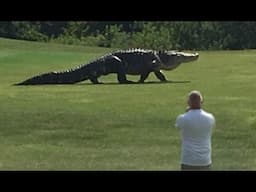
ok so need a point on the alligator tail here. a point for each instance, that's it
(102, 66)
(66, 77)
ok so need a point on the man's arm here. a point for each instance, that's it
(213, 122)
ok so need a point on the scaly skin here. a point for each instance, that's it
(125, 62)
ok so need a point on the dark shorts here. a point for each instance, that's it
(195, 168)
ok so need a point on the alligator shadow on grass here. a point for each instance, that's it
(135, 83)
(111, 83)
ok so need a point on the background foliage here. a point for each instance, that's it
(203, 35)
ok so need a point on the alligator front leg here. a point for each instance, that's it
(160, 76)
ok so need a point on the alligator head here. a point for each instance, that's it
(172, 59)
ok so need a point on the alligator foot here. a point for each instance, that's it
(127, 82)
(96, 83)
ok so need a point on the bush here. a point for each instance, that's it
(150, 35)
(33, 35)
(27, 31)
(93, 40)
(66, 39)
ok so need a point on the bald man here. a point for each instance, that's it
(196, 129)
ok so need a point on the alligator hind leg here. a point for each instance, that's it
(94, 80)
(121, 75)
(143, 77)
(117, 66)
(122, 78)
(160, 76)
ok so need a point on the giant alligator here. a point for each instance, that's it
(123, 62)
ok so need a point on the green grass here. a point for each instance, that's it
(120, 127)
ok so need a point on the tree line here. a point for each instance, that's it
(189, 35)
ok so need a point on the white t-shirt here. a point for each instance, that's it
(196, 129)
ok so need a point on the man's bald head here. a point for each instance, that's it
(195, 99)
